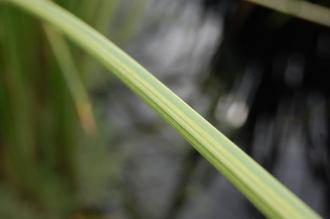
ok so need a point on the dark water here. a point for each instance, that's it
(259, 76)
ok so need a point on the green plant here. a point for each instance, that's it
(47, 125)
(263, 190)
(301, 9)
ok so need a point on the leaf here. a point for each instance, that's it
(262, 189)
(297, 8)
(70, 73)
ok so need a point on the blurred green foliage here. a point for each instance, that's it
(53, 163)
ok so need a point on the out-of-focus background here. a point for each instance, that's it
(259, 76)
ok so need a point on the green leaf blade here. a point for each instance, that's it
(262, 189)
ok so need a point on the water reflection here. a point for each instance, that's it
(258, 76)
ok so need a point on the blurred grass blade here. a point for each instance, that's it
(298, 8)
(262, 189)
(105, 15)
(71, 76)
(88, 10)
(134, 15)
(103, 20)
(18, 123)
